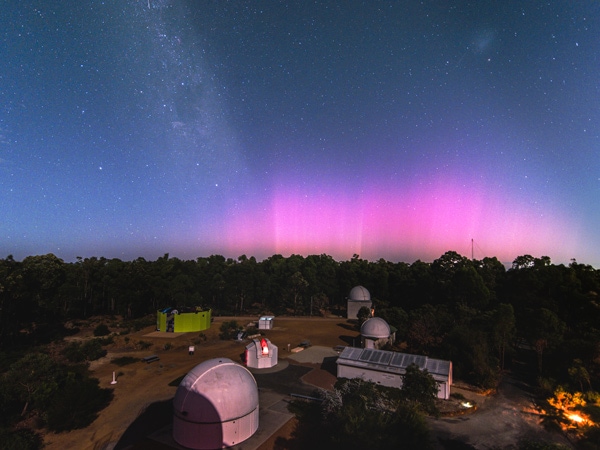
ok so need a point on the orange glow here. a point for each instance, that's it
(566, 402)
(265, 346)
(576, 418)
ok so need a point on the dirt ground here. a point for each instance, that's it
(140, 385)
(142, 394)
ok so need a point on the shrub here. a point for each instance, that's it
(91, 350)
(22, 439)
(73, 352)
(124, 360)
(144, 344)
(144, 322)
(107, 340)
(201, 338)
(101, 330)
(77, 404)
(229, 330)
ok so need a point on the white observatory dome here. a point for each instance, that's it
(359, 294)
(375, 328)
(215, 406)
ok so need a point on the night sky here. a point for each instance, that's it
(388, 129)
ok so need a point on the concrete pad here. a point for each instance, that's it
(314, 355)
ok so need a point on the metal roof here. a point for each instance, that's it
(393, 362)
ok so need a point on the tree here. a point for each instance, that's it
(297, 287)
(579, 374)
(427, 328)
(546, 331)
(503, 329)
(397, 318)
(362, 315)
(77, 403)
(523, 262)
(420, 389)
(33, 380)
(360, 414)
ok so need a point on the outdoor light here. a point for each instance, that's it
(576, 418)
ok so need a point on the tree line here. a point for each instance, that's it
(473, 312)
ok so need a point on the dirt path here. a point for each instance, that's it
(501, 421)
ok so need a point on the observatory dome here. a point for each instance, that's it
(359, 294)
(216, 405)
(375, 328)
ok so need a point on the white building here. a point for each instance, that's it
(265, 323)
(215, 406)
(387, 368)
(359, 296)
(261, 354)
(375, 333)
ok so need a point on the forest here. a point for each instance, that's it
(477, 313)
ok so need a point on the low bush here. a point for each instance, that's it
(144, 345)
(101, 330)
(77, 404)
(77, 352)
(124, 360)
(229, 330)
(21, 439)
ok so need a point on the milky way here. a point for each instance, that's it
(394, 130)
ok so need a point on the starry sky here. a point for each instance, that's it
(388, 129)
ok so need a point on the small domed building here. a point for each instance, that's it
(261, 354)
(359, 296)
(215, 406)
(375, 333)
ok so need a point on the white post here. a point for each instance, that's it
(114, 381)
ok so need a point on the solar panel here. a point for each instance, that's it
(366, 354)
(351, 353)
(385, 358)
(397, 360)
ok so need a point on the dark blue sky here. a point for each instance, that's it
(395, 130)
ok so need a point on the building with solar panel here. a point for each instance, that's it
(388, 368)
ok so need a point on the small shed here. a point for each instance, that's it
(261, 354)
(265, 322)
(388, 368)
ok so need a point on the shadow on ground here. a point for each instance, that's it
(156, 416)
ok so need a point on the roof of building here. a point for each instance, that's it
(217, 390)
(359, 294)
(394, 362)
(375, 328)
